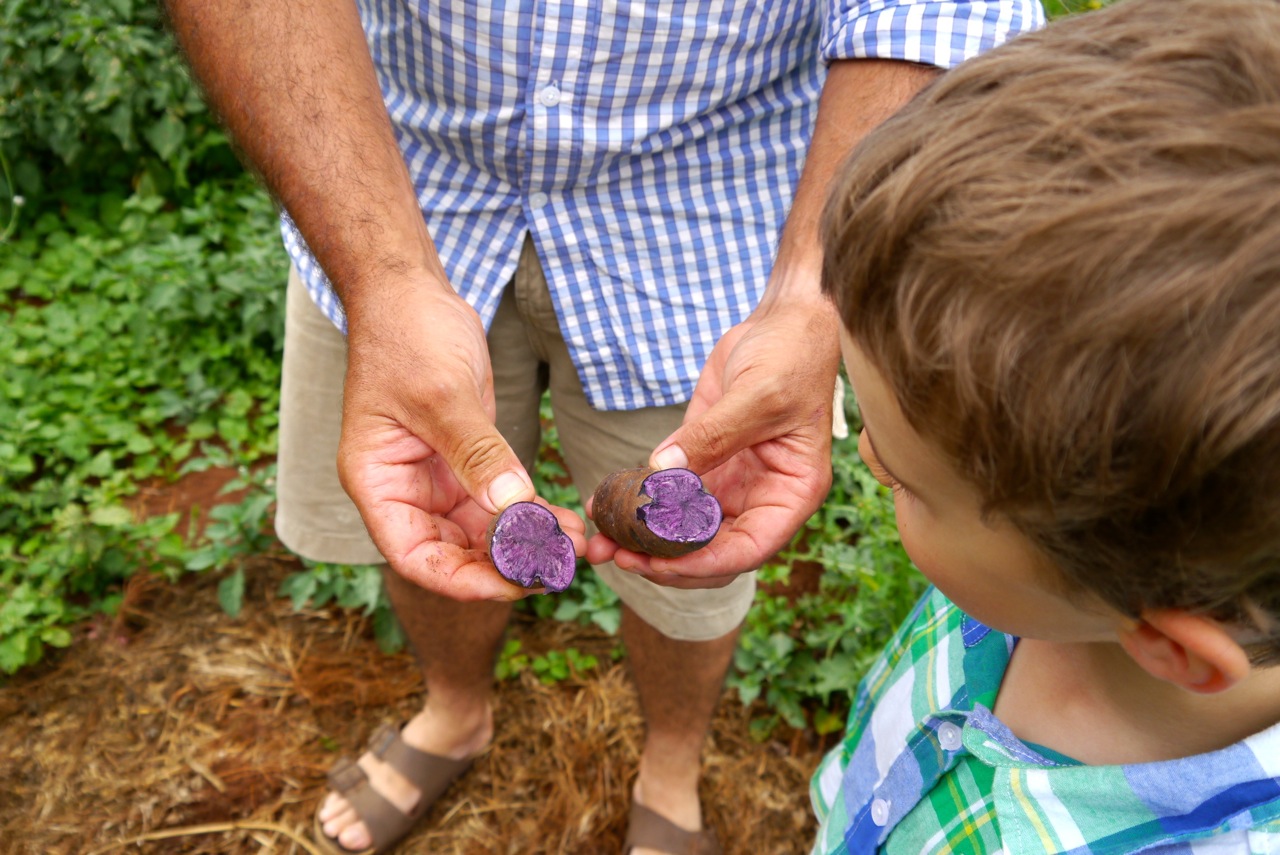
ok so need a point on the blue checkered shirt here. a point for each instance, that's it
(651, 149)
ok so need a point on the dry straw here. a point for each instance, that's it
(173, 728)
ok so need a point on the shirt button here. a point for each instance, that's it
(949, 736)
(880, 811)
(550, 96)
(537, 200)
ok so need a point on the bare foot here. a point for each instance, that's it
(426, 732)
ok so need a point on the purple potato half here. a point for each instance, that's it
(528, 547)
(661, 512)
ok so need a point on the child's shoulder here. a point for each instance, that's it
(937, 636)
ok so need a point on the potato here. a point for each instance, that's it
(661, 512)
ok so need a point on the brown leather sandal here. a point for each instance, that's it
(648, 830)
(387, 824)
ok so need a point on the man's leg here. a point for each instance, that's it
(679, 643)
(455, 643)
(679, 683)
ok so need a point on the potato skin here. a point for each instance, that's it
(616, 508)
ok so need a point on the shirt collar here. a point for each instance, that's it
(1048, 807)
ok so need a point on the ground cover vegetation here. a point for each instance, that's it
(141, 280)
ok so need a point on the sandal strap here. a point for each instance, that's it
(430, 773)
(345, 776)
(386, 822)
(649, 830)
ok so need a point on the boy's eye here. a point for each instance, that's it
(868, 455)
(881, 474)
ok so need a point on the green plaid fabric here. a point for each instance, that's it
(958, 816)
(926, 768)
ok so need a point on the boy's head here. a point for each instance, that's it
(1063, 260)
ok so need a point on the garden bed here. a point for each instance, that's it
(173, 718)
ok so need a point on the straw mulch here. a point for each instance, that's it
(174, 728)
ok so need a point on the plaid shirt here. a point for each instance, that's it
(650, 148)
(926, 768)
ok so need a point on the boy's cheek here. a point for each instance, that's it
(942, 560)
(915, 548)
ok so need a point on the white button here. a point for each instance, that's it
(949, 736)
(550, 96)
(537, 200)
(880, 811)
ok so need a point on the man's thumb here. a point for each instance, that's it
(705, 442)
(486, 467)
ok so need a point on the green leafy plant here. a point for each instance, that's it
(592, 602)
(1058, 8)
(356, 586)
(94, 97)
(805, 653)
(511, 661)
(556, 666)
(133, 331)
(560, 665)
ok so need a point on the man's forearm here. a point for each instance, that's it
(295, 85)
(858, 96)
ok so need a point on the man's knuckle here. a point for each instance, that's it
(480, 453)
(713, 437)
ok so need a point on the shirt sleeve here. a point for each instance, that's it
(925, 31)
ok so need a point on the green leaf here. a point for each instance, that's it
(55, 636)
(111, 516)
(825, 721)
(608, 619)
(231, 593)
(166, 135)
(120, 122)
(16, 651)
(388, 632)
(567, 610)
(298, 587)
(202, 559)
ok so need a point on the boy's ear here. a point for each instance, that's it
(1194, 652)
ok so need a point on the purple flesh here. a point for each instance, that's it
(529, 548)
(680, 510)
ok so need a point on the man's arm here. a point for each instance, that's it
(858, 95)
(296, 87)
(759, 423)
(760, 416)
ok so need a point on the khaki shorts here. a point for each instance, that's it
(315, 519)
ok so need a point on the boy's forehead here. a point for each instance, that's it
(908, 456)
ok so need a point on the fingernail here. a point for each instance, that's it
(671, 457)
(507, 488)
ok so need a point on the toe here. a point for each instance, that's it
(333, 805)
(340, 823)
(355, 837)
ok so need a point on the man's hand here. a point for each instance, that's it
(758, 430)
(296, 86)
(418, 441)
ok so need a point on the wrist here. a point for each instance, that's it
(379, 298)
(795, 283)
